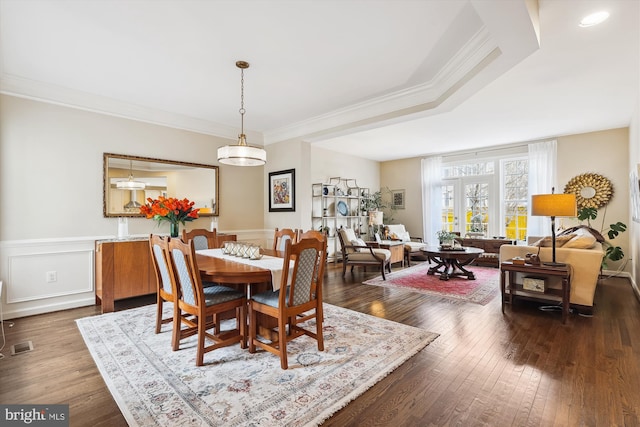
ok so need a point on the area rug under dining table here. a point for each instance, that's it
(415, 279)
(153, 385)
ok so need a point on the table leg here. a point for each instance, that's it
(436, 268)
(465, 272)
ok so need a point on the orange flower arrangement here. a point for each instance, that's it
(171, 210)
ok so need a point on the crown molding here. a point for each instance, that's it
(52, 94)
(480, 48)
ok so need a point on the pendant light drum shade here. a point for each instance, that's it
(242, 154)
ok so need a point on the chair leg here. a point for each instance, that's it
(202, 325)
(216, 323)
(319, 337)
(253, 328)
(382, 268)
(159, 315)
(177, 325)
(241, 312)
(282, 344)
(344, 267)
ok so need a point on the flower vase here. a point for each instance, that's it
(175, 229)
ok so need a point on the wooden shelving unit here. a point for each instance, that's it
(336, 204)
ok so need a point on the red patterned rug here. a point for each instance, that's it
(415, 279)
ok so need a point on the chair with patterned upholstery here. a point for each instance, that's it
(202, 238)
(159, 246)
(356, 252)
(204, 303)
(300, 293)
(281, 236)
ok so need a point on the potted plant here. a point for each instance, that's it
(613, 253)
(445, 237)
(378, 201)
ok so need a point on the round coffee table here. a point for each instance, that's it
(450, 263)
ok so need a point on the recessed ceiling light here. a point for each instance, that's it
(594, 19)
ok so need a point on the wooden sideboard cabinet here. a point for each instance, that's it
(123, 270)
(491, 248)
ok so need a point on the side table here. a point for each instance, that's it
(515, 289)
(395, 247)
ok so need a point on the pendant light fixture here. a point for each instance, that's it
(130, 184)
(242, 154)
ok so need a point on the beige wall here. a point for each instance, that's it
(51, 186)
(603, 153)
(405, 175)
(51, 197)
(284, 156)
(51, 171)
(600, 152)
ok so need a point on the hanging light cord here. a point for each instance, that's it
(242, 110)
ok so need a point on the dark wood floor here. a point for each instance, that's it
(521, 369)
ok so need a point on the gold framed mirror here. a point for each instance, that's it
(129, 180)
(591, 189)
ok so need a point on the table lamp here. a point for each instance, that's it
(375, 218)
(553, 205)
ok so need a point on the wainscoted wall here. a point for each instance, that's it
(28, 265)
(47, 275)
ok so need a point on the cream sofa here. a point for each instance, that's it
(585, 264)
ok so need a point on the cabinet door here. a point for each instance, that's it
(493, 246)
(132, 271)
(473, 243)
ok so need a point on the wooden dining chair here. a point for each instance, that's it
(312, 234)
(322, 237)
(281, 236)
(202, 238)
(204, 303)
(159, 246)
(221, 238)
(303, 294)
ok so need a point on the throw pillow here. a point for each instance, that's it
(404, 236)
(583, 240)
(359, 242)
(560, 241)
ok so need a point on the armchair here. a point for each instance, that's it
(412, 245)
(356, 252)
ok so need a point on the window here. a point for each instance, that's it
(515, 197)
(481, 199)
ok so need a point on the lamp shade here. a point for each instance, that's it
(242, 155)
(376, 217)
(130, 185)
(554, 205)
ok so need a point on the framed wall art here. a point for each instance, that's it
(397, 199)
(282, 191)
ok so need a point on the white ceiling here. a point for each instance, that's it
(379, 79)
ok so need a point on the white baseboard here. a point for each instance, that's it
(46, 307)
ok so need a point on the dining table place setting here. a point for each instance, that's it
(251, 255)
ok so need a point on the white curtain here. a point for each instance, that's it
(432, 197)
(542, 178)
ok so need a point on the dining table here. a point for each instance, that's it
(227, 271)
